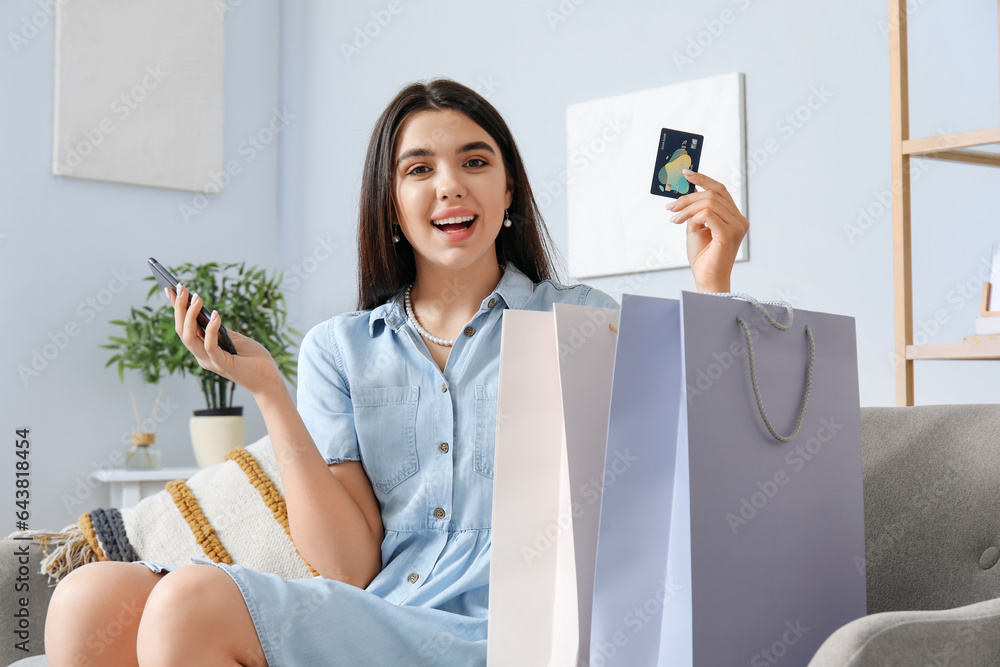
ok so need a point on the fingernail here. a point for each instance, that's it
(194, 295)
(167, 292)
(673, 218)
(179, 287)
(686, 172)
(670, 207)
(215, 314)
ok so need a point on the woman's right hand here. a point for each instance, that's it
(252, 367)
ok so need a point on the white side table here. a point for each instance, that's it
(128, 487)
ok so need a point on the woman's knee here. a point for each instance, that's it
(94, 606)
(195, 609)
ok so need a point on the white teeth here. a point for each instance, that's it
(454, 221)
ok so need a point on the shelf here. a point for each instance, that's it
(954, 147)
(158, 475)
(967, 351)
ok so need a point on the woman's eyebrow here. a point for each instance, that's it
(426, 152)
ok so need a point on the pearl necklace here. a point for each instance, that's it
(416, 325)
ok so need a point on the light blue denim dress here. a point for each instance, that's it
(369, 390)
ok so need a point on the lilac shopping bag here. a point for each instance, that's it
(736, 537)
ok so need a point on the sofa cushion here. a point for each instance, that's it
(932, 507)
(15, 574)
(965, 637)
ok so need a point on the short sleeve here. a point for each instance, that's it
(599, 299)
(323, 396)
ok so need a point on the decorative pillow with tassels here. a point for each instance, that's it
(232, 512)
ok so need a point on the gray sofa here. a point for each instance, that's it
(932, 524)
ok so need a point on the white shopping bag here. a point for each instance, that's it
(552, 412)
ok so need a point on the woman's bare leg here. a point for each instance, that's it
(93, 618)
(197, 616)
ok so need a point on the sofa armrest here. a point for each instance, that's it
(22, 625)
(964, 636)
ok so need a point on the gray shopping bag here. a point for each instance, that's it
(750, 552)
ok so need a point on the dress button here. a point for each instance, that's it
(443, 447)
(413, 577)
(439, 513)
(492, 303)
(469, 331)
(444, 387)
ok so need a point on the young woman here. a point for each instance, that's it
(387, 459)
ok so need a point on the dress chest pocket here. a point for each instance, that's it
(386, 422)
(486, 428)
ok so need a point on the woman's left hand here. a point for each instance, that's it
(714, 232)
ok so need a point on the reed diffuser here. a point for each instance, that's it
(143, 454)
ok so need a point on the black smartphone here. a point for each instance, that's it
(165, 279)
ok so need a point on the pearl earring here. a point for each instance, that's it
(395, 237)
(506, 220)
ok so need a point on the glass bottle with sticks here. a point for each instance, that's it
(144, 454)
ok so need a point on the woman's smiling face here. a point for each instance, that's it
(449, 171)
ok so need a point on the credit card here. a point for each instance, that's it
(675, 152)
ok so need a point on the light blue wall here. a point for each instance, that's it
(531, 59)
(65, 237)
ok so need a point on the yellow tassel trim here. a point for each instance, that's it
(87, 528)
(268, 492)
(199, 525)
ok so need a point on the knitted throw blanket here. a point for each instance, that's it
(233, 512)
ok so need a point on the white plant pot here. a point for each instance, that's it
(212, 436)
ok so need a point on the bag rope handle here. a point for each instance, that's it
(753, 365)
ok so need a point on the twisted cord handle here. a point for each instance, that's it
(753, 366)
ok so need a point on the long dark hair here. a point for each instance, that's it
(384, 267)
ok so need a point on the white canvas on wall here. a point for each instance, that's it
(139, 92)
(615, 225)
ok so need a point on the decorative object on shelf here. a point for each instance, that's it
(250, 303)
(979, 340)
(988, 322)
(144, 454)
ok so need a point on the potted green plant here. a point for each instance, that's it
(250, 303)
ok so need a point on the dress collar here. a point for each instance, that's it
(513, 290)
